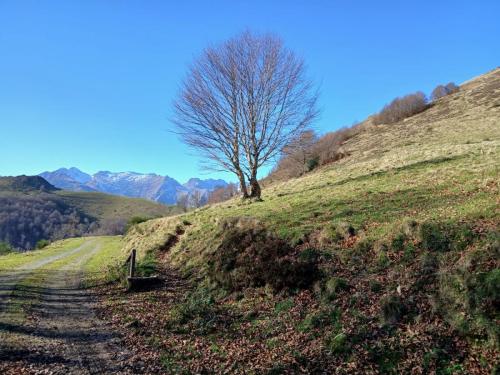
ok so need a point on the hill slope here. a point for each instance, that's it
(31, 209)
(404, 232)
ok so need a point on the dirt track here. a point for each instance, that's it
(48, 326)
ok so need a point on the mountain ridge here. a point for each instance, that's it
(151, 186)
(25, 183)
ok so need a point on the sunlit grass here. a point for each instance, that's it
(89, 264)
(18, 259)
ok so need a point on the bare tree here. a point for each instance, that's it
(300, 150)
(401, 108)
(183, 201)
(197, 199)
(438, 92)
(441, 90)
(223, 193)
(242, 102)
(451, 87)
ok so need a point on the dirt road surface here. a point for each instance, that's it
(48, 324)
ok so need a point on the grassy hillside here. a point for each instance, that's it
(404, 235)
(109, 207)
(31, 210)
(391, 171)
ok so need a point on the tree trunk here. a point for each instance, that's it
(243, 185)
(255, 191)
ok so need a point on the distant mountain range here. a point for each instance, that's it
(163, 189)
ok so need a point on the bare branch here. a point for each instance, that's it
(242, 102)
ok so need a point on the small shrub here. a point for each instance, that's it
(409, 252)
(134, 221)
(336, 232)
(337, 343)
(334, 285)
(375, 286)
(312, 163)
(451, 87)
(320, 319)
(401, 108)
(329, 147)
(198, 311)
(398, 242)
(309, 255)
(42, 244)
(5, 248)
(283, 306)
(310, 152)
(409, 227)
(392, 308)
(382, 261)
(222, 194)
(432, 237)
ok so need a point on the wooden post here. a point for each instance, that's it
(139, 283)
(132, 264)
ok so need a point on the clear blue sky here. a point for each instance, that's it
(89, 83)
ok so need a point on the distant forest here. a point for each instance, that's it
(26, 219)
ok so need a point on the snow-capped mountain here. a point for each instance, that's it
(163, 189)
(69, 179)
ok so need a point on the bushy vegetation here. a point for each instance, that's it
(393, 309)
(328, 147)
(198, 312)
(5, 248)
(42, 244)
(469, 292)
(401, 108)
(443, 90)
(310, 151)
(136, 220)
(250, 256)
